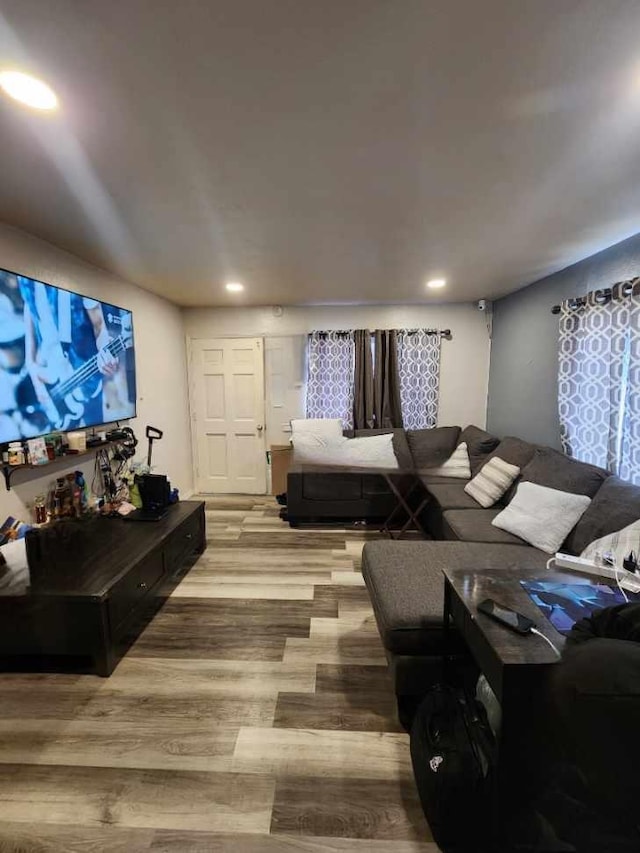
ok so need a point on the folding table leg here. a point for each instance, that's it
(403, 504)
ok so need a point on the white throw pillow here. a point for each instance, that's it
(541, 516)
(619, 544)
(492, 481)
(311, 449)
(457, 465)
(322, 430)
(369, 451)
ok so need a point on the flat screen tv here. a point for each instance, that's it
(67, 361)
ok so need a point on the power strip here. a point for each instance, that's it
(627, 580)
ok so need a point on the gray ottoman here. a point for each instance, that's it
(406, 586)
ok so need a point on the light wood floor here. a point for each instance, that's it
(254, 714)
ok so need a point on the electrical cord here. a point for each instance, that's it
(616, 570)
(547, 640)
(97, 482)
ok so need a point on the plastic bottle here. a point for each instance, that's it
(40, 509)
(58, 494)
(16, 453)
(84, 492)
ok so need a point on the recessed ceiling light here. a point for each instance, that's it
(28, 90)
(234, 286)
(436, 282)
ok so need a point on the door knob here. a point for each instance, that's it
(259, 427)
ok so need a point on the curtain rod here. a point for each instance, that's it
(600, 297)
(444, 333)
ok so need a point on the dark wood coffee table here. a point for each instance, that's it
(517, 668)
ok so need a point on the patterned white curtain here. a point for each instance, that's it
(629, 468)
(330, 376)
(419, 369)
(598, 380)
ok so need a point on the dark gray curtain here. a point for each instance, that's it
(363, 381)
(387, 410)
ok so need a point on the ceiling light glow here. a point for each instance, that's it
(436, 282)
(234, 287)
(28, 90)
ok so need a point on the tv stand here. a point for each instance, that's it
(85, 618)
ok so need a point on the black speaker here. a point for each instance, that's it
(154, 491)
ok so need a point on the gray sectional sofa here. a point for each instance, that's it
(404, 578)
(321, 493)
(343, 494)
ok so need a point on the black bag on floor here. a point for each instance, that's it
(452, 755)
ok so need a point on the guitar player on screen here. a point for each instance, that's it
(75, 373)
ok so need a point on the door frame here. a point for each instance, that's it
(192, 408)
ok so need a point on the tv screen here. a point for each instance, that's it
(66, 361)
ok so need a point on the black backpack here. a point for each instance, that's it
(452, 755)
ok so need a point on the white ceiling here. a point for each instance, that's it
(325, 151)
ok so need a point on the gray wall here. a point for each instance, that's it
(523, 382)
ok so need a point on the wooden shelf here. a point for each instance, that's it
(9, 470)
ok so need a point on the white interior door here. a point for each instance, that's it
(227, 413)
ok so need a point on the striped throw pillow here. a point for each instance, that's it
(457, 465)
(492, 481)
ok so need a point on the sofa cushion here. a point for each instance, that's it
(428, 479)
(479, 445)
(401, 448)
(615, 505)
(450, 495)
(475, 525)
(556, 471)
(406, 586)
(431, 447)
(515, 451)
(331, 486)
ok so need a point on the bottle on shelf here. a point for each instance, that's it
(16, 453)
(60, 494)
(40, 510)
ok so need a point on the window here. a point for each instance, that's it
(400, 391)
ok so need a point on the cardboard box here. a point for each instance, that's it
(281, 456)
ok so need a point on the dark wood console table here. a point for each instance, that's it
(518, 669)
(86, 618)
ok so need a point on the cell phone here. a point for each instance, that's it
(507, 617)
